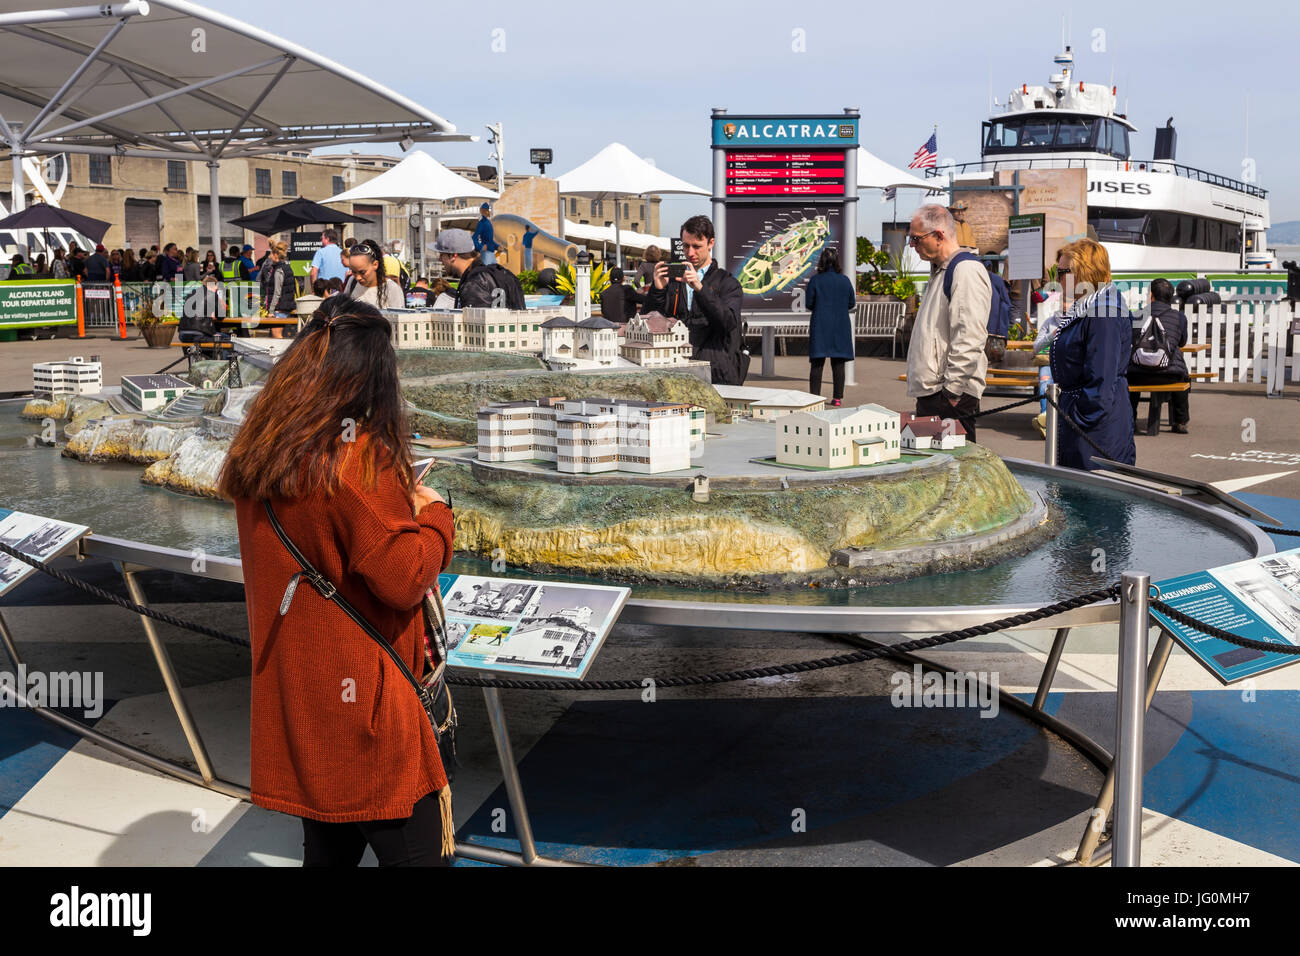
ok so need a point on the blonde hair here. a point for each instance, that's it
(1089, 262)
(279, 247)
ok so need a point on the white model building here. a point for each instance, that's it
(767, 404)
(587, 436)
(481, 330)
(591, 343)
(655, 340)
(153, 391)
(838, 437)
(76, 376)
(931, 432)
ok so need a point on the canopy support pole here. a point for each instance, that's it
(618, 242)
(214, 204)
(424, 249)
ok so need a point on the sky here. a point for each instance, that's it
(575, 78)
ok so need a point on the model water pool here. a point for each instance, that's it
(1106, 531)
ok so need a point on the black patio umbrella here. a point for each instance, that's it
(291, 215)
(44, 216)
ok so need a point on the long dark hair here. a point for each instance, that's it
(368, 247)
(829, 260)
(296, 437)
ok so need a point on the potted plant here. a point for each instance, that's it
(157, 330)
(886, 280)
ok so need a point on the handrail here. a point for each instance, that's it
(1120, 165)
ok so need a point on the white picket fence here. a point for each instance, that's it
(1248, 342)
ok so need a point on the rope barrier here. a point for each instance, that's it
(1291, 531)
(1221, 634)
(1003, 408)
(1061, 416)
(839, 660)
(122, 602)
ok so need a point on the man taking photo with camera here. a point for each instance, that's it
(706, 298)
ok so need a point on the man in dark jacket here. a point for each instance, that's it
(707, 299)
(97, 266)
(1174, 324)
(619, 301)
(481, 286)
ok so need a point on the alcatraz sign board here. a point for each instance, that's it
(1259, 599)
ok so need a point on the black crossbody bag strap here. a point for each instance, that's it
(326, 589)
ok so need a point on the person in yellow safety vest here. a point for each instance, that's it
(18, 268)
(233, 268)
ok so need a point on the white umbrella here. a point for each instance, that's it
(417, 179)
(618, 171)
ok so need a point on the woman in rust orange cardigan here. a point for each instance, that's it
(338, 736)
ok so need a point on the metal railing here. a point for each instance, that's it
(1118, 165)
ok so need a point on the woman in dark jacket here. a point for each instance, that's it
(831, 301)
(1174, 325)
(279, 288)
(1089, 358)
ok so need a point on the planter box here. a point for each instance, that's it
(159, 336)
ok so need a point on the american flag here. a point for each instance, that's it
(927, 157)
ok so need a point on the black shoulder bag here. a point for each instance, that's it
(433, 693)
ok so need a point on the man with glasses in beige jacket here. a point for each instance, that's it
(946, 364)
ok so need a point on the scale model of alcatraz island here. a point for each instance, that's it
(567, 456)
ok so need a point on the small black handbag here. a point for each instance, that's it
(433, 693)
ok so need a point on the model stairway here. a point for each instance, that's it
(190, 405)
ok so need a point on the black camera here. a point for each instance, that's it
(1292, 281)
(677, 270)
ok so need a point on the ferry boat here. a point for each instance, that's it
(1152, 215)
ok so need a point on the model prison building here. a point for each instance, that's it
(586, 436)
(838, 437)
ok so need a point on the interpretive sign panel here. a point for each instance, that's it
(1259, 599)
(27, 303)
(772, 249)
(33, 535)
(527, 627)
(1025, 246)
(303, 245)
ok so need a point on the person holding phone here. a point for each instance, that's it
(338, 737)
(706, 298)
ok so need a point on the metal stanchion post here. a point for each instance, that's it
(1053, 396)
(1130, 716)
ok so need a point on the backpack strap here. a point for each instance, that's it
(951, 267)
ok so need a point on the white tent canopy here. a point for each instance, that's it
(875, 173)
(130, 76)
(417, 179)
(625, 237)
(617, 171)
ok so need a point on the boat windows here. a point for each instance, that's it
(1039, 132)
(1169, 229)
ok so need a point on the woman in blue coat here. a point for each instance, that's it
(1089, 357)
(831, 301)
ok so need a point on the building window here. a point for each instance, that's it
(101, 170)
(643, 210)
(288, 183)
(573, 207)
(338, 185)
(625, 210)
(176, 174)
(263, 177)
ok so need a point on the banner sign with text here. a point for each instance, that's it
(29, 303)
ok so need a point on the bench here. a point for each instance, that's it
(994, 379)
(1154, 401)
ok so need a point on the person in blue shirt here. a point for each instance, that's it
(246, 257)
(485, 243)
(327, 263)
(529, 235)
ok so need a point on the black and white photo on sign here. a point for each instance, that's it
(456, 631)
(489, 597)
(560, 626)
(34, 535)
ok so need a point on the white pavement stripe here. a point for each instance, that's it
(94, 808)
(1236, 484)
